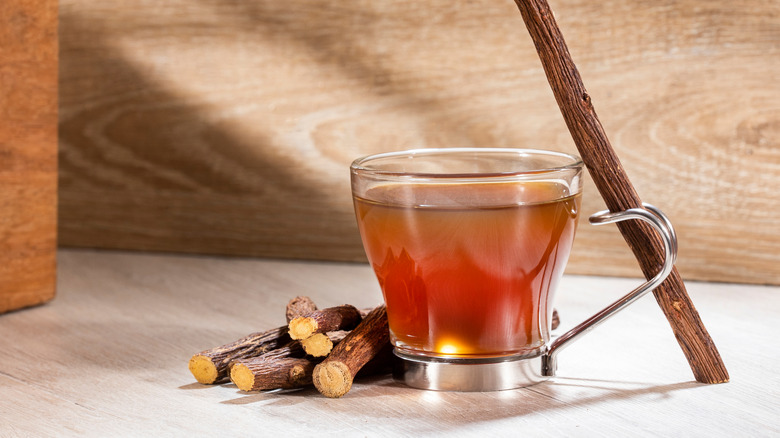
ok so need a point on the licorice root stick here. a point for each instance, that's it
(331, 319)
(333, 377)
(612, 182)
(213, 365)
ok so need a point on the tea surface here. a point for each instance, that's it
(465, 272)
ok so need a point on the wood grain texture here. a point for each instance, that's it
(28, 152)
(108, 358)
(228, 127)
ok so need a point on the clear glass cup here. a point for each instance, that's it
(468, 246)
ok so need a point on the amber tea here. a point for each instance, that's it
(468, 269)
(468, 246)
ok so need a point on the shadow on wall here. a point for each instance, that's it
(228, 127)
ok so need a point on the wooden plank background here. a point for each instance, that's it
(28, 152)
(227, 127)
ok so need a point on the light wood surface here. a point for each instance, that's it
(109, 357)
(227, 127)
(28, 152)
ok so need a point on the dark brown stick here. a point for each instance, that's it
(331, 319)
(261, 373)
(321, 344)
(299, 306)
(556, 320)
(616, 189)
(212, 366)
(284, 367)
(333, 377)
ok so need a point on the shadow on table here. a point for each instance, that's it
(433, 409)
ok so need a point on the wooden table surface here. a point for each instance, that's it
(108, 357)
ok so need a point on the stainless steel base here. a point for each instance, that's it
(468, 375)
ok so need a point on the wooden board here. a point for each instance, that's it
(109, 358)
(228, 127)
(28, 152)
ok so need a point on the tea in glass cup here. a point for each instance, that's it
(468, 246)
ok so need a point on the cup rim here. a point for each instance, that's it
(360, 165)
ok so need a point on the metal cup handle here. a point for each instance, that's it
(661, 223)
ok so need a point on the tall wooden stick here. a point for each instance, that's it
(616, 189)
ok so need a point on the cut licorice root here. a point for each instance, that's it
(321, 344)
(344, 317)
(213, 365)
(334, 376)
(282, 373)
(272, 360)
